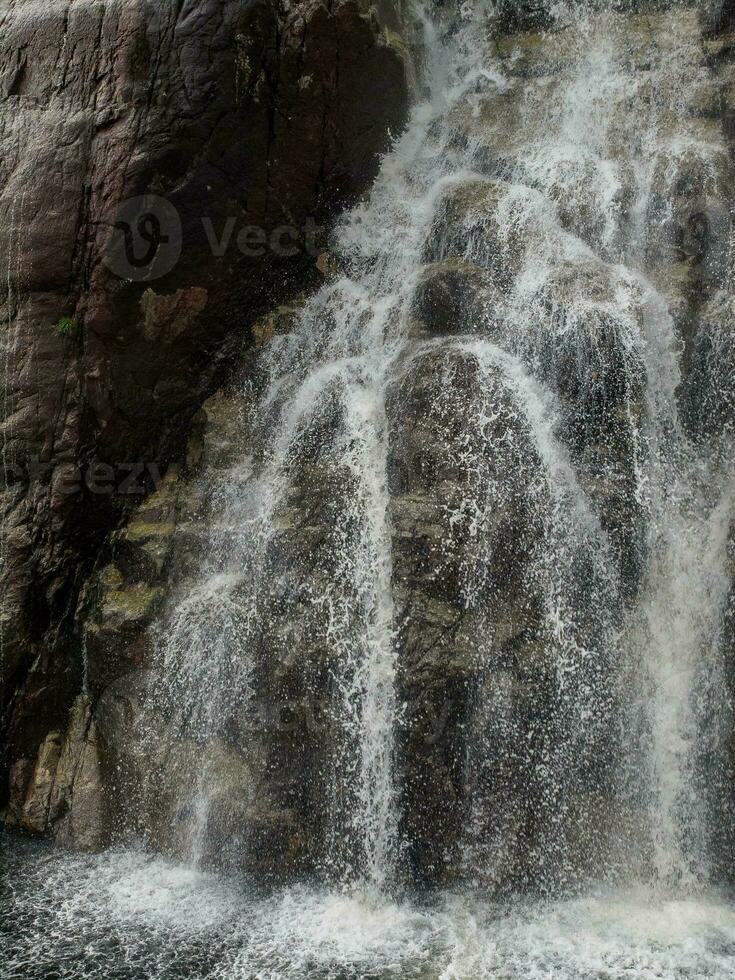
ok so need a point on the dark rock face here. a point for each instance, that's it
(522, 15)
(454, 297)
(717, 15)
(254, 122)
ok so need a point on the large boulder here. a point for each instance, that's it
(468, 226)
(688, 218)
(462, 472)
(587, 343)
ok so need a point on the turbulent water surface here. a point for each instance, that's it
(566, 400)
(128, 915)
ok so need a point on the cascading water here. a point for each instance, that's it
(559, 243)
(557, 239)
(475, 527)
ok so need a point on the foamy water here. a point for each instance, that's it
(130, 915)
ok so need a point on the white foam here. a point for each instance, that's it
(129, 915)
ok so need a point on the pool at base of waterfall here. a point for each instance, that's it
(127, 914)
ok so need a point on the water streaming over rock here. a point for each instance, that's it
(471, 446)
(453, 606)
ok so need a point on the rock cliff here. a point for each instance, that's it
(416, 595)
(166, 173)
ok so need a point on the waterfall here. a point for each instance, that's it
(442, 683)
(509, 318)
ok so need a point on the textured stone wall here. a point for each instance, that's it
(254, 115)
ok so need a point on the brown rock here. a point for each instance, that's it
(257, 116)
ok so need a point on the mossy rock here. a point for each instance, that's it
(135, 605)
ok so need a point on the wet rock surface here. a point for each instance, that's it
(463, 587)
(259, 116)
(404, 580)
